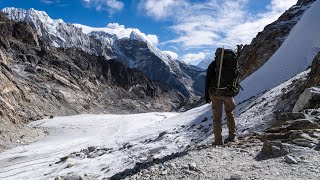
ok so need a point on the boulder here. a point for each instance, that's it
(310, 98)
(290, 160)
(274, 149)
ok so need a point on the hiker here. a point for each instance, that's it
(222, 84)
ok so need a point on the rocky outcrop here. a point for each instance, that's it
(290, 130)
(267, 42)
(310, 98)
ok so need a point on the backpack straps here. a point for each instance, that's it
(220, 67)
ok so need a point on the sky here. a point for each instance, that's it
(188, 30)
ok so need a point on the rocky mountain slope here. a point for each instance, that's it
(134, 51)
(267, 42)
(39, 80)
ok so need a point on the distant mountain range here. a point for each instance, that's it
(135, 51)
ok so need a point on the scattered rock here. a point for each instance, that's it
(303, 142)
(165, 172)
(91, 148)
(162, 134)
(69, 165)
(63, 159)
(317, 148)
(235, 177)
(290, 160)
(69, 177)
(193, 167)
(172, 165)
(205, 119)
(273, 149)
(244, 151)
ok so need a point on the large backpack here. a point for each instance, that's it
(227, 71)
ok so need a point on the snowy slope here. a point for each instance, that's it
(103, 145)
(294, 56)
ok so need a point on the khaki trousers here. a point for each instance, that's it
(229, 106)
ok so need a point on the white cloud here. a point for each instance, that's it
(173, 55)
(47, 1)
(121, 31)
(160, 9)
(194, 58)
(214, 22)
(111, 6)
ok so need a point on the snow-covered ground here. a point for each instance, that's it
(128, 138)
(103, 145)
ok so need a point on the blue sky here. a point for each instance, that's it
(187, 29)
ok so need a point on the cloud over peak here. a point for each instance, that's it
(120, 31)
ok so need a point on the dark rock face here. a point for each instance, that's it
(314, 79)
(267, 42)
(140, 55)
(38, 80)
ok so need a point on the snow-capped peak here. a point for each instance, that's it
(56, 32)
(135, 36)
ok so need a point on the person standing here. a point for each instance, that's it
(221, 86)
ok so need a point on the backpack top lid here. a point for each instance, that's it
(229, 58)
(226, 52)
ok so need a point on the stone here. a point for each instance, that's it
(244, 151)
(172, 165)
(91, 148)
(301, 124)
(205, 119)
(303, 142)
(69, 177)
(307, 99)
(165, 172)
(317, 148)
(193, 166)
(290, 160)
(274, 149)
(290, 116)
(235, 177)
(162, 134)
(69, 165)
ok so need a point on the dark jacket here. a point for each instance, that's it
(211, 73)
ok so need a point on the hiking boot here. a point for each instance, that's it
(216, 143)
(230, 139)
